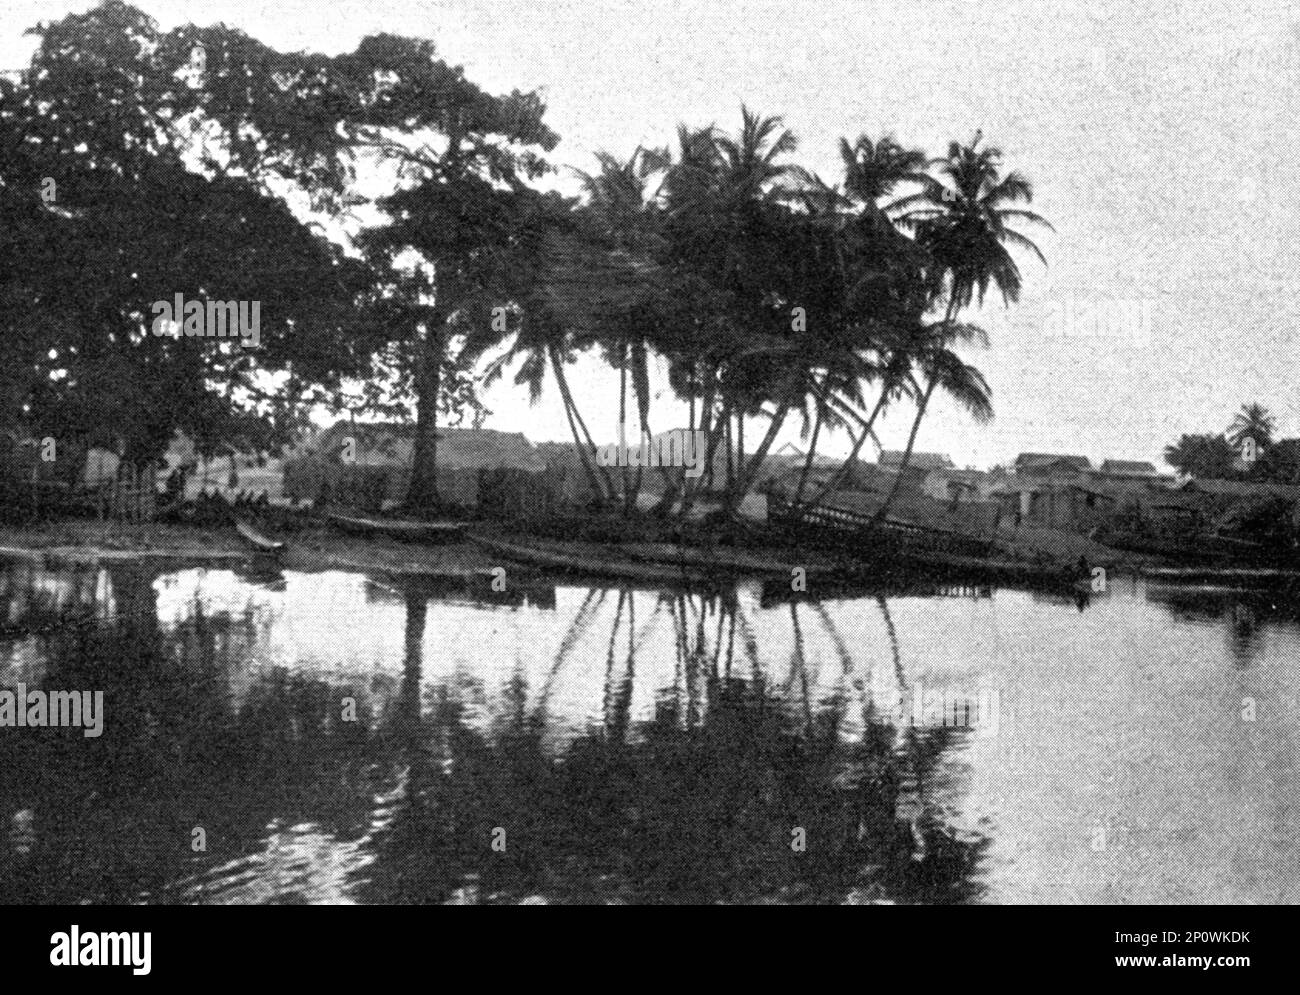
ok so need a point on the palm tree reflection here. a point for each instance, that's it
(696, 802)
(692, 796)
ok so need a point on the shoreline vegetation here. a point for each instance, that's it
(716, 269)
(315, 545)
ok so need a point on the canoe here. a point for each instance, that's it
(393, 528)
(724, 560)
(256, 539)
(585, 558)
(860, 535)
(1240, 577)
(1204, 550)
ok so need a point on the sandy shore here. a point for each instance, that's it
(310, 549)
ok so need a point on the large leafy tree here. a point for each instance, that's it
(455, 161)
(1281, 463)
(109, 206)
(1209, 456)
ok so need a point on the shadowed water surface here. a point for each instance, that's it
(340, 738)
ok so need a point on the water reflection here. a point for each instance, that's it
(339, 738)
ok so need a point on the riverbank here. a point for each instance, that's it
(311, 549)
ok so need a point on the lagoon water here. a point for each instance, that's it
(284, 737)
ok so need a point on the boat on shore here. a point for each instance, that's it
(1236, 577)
(1210, 552)
(585, 558)
(257, 539)
(404, 530)
(724, 560)
(900, 550)
(861, 536)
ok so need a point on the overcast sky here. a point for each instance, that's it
(1161, 143)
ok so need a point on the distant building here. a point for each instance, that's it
(101, 467)
(1055, 504)
(952, 485)
(369, 465)
(1050, 464)
(1128, 468)
(880, 476)
(924, 461)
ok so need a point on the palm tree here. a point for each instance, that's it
(1253, 422)
(939, 366)
(870, 275)
(963, 217)
(721, 196)
(963, 220)
(872, 170)
(621, 206)
(570, 281)
(864, 254)
(750, 173)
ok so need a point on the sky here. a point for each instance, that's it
(1160, 139)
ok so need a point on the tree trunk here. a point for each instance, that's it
(584, 454)
(691, 400)
(749, 473)
(740, 446)
(622, 432)
(712, 433)
(642, 394)
(843, 471)
(422, 493)
(883, 510)
(812, 454)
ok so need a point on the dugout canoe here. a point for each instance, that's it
(404, 530)
(257, 539)
(584, 558)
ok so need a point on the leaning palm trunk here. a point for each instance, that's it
(706, 426)
(812, 454)
(749, 473)
(575, 420)
(842, 473)
(924, 403)
(641, 388)
(714, 428)
(592, 479)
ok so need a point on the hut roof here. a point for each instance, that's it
(1128, 466)
(458, 448)
(922, 461)
(1041, 461)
